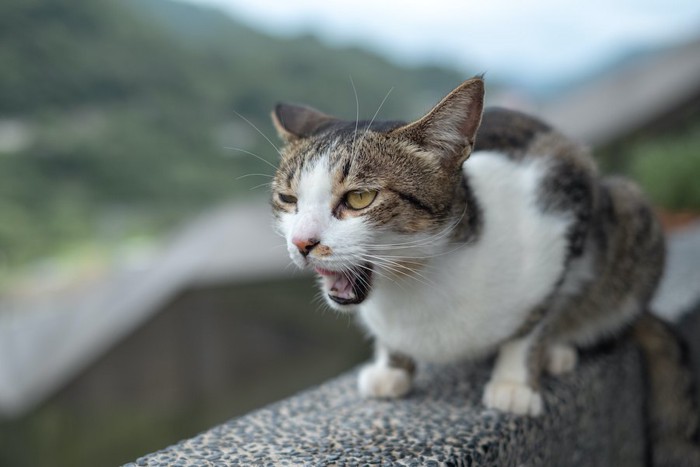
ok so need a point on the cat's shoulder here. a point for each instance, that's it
(519, 136)
(505, 128)
(509, 131)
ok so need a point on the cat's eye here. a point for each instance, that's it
(287, 199)
(360, 199)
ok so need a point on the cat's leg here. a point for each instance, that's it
(390, 375)
(515, 377)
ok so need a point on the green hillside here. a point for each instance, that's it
(126, 109)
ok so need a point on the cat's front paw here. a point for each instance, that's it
(383, 381)
(514, 397)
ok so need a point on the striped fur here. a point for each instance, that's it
(487, 232)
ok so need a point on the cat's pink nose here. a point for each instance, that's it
(305, 245)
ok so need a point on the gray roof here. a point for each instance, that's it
(48, 338)
(629, 97)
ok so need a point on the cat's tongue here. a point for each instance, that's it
(337, 283)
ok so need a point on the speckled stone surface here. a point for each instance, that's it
(593, 417)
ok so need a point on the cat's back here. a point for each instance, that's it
(508, 131)
(520, 136)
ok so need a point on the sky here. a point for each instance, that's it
(530, 42)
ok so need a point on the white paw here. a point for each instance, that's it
(383, 381)
(561, 359)
(514, 397)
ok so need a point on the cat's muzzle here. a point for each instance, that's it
(347, 287)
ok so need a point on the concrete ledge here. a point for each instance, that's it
(593, 417)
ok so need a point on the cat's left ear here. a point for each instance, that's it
(294, 122)
(450, 127)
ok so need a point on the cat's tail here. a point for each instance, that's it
(673, 419)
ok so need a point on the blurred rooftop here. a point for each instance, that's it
(631, 97)
(76, 326)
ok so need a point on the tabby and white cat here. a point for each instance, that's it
(455, 236)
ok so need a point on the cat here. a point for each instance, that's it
(467, 233)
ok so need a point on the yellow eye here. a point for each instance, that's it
(360, 199)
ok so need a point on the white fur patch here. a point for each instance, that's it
(513, 397)
(381, 381)
(314, 216)
(508, 389)
(314, 219)
(469, 300)
(511, 364)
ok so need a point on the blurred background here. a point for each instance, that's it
(143, 295)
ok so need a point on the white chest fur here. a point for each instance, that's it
(471, 299)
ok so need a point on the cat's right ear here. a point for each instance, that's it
(449, 129)
(294, 122)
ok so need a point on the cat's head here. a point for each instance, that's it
(361, 204)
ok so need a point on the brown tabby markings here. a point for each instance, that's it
(379, 161)
(613, 231)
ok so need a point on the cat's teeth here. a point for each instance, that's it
(342, 287)
(336, 283)
(346, 288)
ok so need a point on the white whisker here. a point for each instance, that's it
(375, 271)
(397, 269)
(254, 175)
(261, 185)
(404, 271)
(357, 115)
(251, 154)
(261, 133)
(364, 135)
(430, 240)
(379, 108)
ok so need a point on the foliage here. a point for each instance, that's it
(668, 169)
(664, 160)
(130, 104)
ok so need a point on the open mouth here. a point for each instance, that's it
(348, 287)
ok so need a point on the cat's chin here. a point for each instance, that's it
(346, 289)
